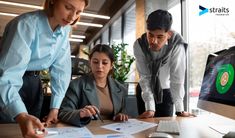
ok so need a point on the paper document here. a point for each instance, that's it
(224, 129)
(114, 136)
(132, 126)
(69, 132)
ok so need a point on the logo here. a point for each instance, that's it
(203, 10)
(221, 11)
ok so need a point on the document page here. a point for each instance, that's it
(69, 132)
(114, 136)
(132, 126)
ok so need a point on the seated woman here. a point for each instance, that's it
(94, 92)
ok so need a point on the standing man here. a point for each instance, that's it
(161, 62)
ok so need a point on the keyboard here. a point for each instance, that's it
(168, 126)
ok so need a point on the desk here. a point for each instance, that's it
(196, 127)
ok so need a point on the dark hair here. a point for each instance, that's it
(102, 48)
(159, 19)
(49, 7)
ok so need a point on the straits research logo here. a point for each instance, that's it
(203, 10)
(222, 11)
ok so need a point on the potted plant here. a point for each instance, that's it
(122, 63)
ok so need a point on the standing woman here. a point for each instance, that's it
(32, 42)
(95, 92)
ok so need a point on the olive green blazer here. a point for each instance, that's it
(82, 92)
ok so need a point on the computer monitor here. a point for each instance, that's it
(217, 93)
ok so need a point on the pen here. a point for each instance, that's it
(99, 116)
(48, 132)
(52, 132)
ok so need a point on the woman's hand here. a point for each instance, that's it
(120, 117)
(88, 111)
(28, 125)
(52, 117)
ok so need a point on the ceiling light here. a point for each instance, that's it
(21, 5)
(78, 36)
(75, 40)
(89, 24)
(8, 14)
(78, 23)
(95, 15)
(40, 7)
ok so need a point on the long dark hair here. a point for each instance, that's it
(102, 48)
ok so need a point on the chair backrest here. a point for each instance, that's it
(80, 66)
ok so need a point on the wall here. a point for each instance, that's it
(152, 5)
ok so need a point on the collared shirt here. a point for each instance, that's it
(171, 75)
(29, 44)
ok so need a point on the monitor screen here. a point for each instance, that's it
(217, 93)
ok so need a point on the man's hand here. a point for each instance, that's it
(186, 114)
(146, 114)
(52, 117)
(28, 125)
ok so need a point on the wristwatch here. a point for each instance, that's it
(179, 113)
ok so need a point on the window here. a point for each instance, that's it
(208, 33)
(105, 37)
(129, 28)
(176, 15)
(129, 38)
(116, 36)
(97, 41)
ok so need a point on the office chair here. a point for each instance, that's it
(80, 67)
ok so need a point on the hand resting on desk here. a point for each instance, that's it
(120, 117)
(146, 114)
(52, 117)
(186, 114)
(150, 114)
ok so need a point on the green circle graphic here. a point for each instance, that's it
(224, 79)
